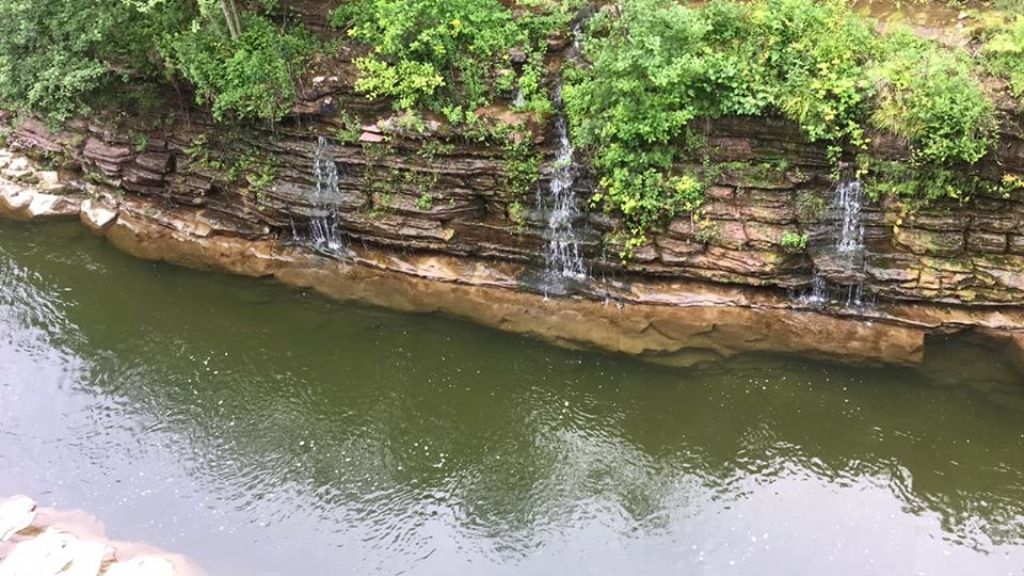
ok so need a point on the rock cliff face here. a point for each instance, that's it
(667, 320)
(437, 206)
(438, 193)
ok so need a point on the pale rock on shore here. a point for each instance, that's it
(38, 541)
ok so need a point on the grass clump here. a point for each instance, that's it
(931, 98)
(1003, 53)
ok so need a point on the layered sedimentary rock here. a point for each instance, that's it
(431, 195)
(667, 320)
(437, 193)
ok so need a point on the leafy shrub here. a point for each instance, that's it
(449, 57)
(54, 54)
(930, 98)
(793, 242)
(425, 202)
(657, 66)
(58, 57)
(921, 185)
(815, 55)
(249, 77)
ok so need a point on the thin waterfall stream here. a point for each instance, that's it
(849, 199)
(323, 226)
(845, 257)
(563, 257)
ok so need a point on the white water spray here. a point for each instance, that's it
(563, 257)
(848, 201)
(848, 250)
(324, 224)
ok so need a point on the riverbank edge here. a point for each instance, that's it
(671, 322)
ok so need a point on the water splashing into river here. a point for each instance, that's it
(324, 223)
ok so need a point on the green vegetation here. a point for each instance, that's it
(63, 57)
(1003, 53)
(918, 186)
(350, 130)
(140, 141)
(251, 169)
(1011, 6)
(450, 57)
(249, 76)
(517, 216)
(811, 207)
(425, 202)
(522, 165)
(657, 66)
(793, 243)
(930, 97)
(648, 70)
(52, 58)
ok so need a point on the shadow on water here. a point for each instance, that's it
(262, 431)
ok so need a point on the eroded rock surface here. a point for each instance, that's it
(674, 321)
(437, 193)
(710, 288)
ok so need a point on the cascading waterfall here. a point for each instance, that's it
(848, 249)
(323, 226)
(563, 258)
(848, 201)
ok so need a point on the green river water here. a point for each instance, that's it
(262, 431)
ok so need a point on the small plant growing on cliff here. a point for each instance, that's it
(380, 202)
(425, 202)
(705, 230)
(140, 141)
(199, 153)
(689, 191)
(262, 178)
(431, 149)
(350, 130)
(522, 164)
(811, 207)
(1011, 183)
(793, 242)
(517, 215)
(920, 185)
